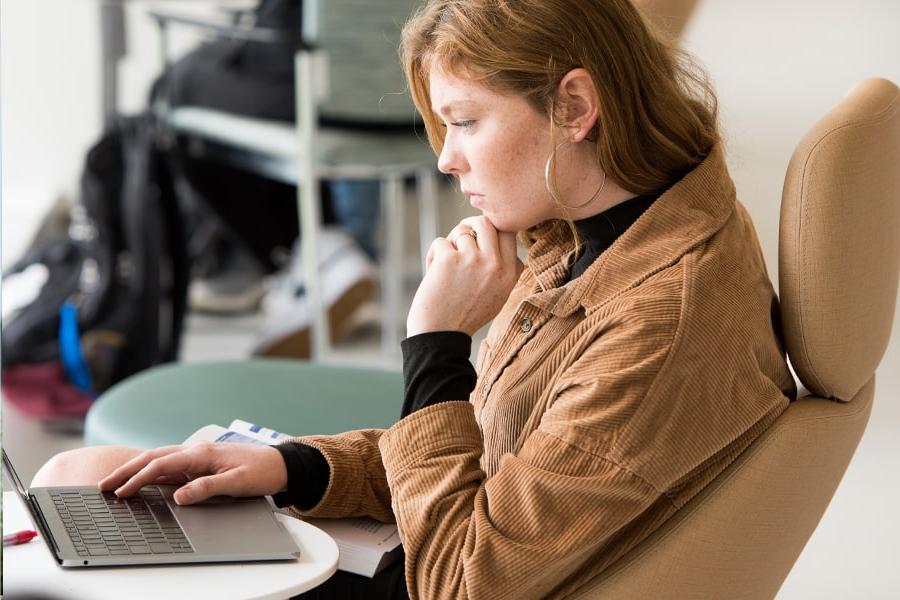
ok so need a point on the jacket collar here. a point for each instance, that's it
(684, 216)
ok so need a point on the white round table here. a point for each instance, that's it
(31, 568)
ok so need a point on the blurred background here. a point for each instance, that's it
(777, 66)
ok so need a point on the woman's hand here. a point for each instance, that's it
(469, 275)
(209, 470)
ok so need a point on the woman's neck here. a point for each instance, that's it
(610, 196)
(580, 181)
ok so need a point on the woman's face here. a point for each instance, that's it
(497, 146)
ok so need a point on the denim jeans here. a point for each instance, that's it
(356, 205)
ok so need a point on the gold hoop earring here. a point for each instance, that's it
(551, 159)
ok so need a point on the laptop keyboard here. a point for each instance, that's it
(101, 524)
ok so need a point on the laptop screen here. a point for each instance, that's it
(14, 477)
(29, 505)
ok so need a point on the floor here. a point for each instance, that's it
(777, 66)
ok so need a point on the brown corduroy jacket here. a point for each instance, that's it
(602, 405)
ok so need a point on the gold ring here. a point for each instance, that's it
(469, 232)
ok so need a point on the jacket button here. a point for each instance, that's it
(485, 388)
(525, 325)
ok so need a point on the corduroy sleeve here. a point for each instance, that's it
(436, 368)
(357, 485)
(554, 505)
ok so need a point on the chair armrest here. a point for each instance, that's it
(266, 35)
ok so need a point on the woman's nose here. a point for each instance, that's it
(450, 161)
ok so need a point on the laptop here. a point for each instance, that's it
(84, 527)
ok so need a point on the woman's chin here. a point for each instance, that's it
(494, 221)
(504, 225)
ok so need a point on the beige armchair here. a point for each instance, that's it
(668, 16)
(740, 537)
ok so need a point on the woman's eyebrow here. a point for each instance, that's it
(446, 109)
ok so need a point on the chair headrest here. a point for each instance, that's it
(839, 243)
(668, 16)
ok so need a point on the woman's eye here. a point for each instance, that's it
(463, 124)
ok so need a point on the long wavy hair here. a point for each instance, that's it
(658, 113)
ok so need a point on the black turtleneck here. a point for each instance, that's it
(436, 365)
(598, 233)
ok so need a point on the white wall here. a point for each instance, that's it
(49, 104)
(780, 65)
(50, 97)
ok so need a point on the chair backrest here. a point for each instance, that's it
(840, 242)
(366, 83)
(739, 538)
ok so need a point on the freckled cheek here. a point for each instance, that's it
(511, 161)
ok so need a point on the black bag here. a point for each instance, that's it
(114, 301)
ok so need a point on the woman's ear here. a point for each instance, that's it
(579, 103)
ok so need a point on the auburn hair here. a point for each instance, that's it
(657, 116)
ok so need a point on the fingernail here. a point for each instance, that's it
(183, 497)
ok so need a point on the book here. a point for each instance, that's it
(365, 546)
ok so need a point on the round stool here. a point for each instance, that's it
(166, 404)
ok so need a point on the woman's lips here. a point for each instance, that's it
(474, 199)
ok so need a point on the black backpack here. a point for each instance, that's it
(115, 298)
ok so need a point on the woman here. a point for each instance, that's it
(629, 360)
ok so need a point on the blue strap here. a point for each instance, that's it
(70, 349)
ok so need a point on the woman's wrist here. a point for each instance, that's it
(281, 471)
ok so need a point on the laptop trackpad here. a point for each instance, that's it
(225, 525)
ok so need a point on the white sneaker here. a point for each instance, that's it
(347, 278)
